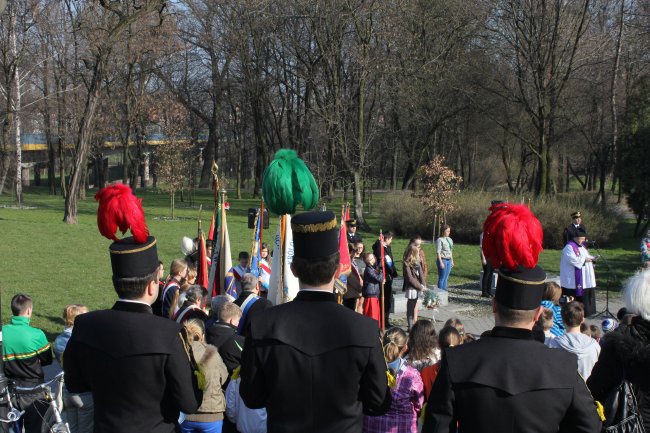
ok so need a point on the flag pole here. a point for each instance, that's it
(215, 216)
(261, 225)
(255, 243)
(382, 323)
(283, 223)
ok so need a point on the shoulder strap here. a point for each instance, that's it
(179, 317)
(245, 306)
(169, 285)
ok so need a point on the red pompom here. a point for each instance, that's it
(118, 207)
(512, 236)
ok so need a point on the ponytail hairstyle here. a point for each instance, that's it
(195, 329)
(395, 341)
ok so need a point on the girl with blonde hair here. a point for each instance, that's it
(407, 394)
(414, 282)
(209, 416)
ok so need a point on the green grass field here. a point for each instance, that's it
(58, 264)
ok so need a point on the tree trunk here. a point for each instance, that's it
(47, 123)
(357, 188)
(614, 109)
(209, 156)
(125, 154)
(17, 114)
(240, 158)
(3, 177)
(393, 171)
(409, 176)
(83, 140)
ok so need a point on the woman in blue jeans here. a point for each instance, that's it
(445, 260)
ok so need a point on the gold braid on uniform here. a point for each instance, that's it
(314, 228)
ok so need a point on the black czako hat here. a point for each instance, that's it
(521, 289)
(315, 234)
(131, 259)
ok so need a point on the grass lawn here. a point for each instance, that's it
(59, 264)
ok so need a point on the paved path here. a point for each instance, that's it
(466, 304)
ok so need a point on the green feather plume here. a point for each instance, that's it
(287, 183)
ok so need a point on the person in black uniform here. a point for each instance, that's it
(507, 381)
(134, 363)
(315, 365)
(249, 301)
(576, 226)
(488, 272)
(353, 236)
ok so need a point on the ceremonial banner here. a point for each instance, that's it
(211, 231)
(221, 279)
(225, 261)
(202, 271)
(283, 285)
(345, 265)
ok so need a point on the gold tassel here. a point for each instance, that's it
(200, 378)
(392, 383)
(235, 373)
(600, 410)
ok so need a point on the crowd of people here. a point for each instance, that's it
(161, 360)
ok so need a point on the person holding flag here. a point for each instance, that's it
(259, 266)
(381, 248)
(264, 269)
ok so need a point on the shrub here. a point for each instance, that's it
(407, 217)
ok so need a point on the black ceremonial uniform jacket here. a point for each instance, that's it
(135, 366)
(353, 238)
(571, 232)
(509, 383)
(314, 365)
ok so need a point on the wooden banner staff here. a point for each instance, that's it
(339, 298)
(215, 247)
(254, 243)
(383, 281)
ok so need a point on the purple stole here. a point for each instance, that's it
(578, 271)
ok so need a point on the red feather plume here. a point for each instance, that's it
(512, 236)
(118, 207)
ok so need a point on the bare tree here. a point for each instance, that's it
(114, 22)
(538, 42)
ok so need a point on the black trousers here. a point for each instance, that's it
(588, 299)
(388, 299)
(486, 282)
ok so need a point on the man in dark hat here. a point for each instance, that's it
(135, 363)
(507, 382)
(315, 365)
(576, 226)
(353, 236)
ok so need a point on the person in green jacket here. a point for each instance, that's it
(25, 350)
